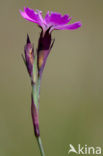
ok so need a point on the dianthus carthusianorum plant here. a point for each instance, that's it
(35, 61)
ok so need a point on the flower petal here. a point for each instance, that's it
(47, 16)
(32, 16)
(24, 15)
(69, 26)
(56, 18)
(52, 21)
(40, 16)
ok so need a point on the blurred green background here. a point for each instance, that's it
(71, 102)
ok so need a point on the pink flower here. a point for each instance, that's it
(52, 21)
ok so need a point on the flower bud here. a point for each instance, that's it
(29, 56)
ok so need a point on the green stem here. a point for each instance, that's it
(40, 146)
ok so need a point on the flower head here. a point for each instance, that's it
(53, 20)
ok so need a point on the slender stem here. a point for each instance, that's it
(38, 89)
(40, 146)
(36, 94)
